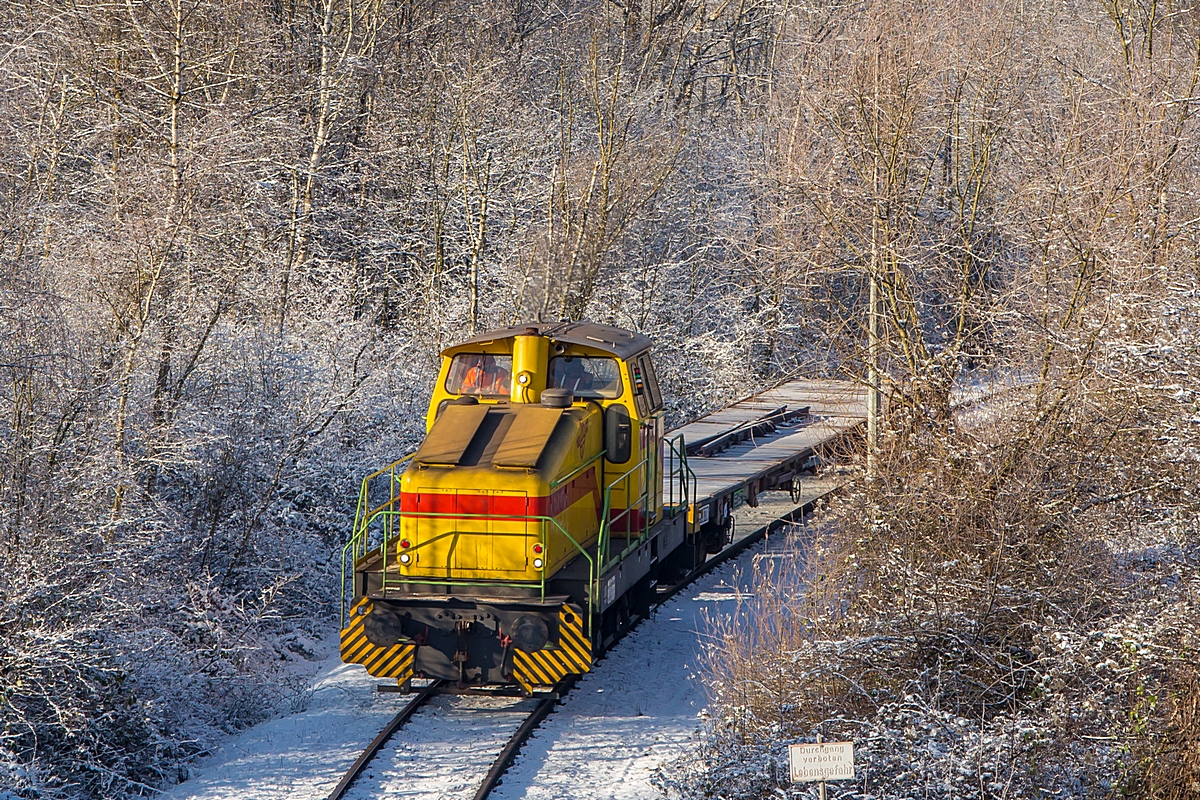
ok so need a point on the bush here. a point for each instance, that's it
(1001, 612)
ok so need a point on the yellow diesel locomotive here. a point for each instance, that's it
(533, 522)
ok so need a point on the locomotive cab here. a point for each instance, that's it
(601, 367)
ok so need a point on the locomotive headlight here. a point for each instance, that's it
(405, 558)
(537, 563)
(524, 378)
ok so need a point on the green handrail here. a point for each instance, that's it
(364, 510)
(555, 484)
(687, 482)
(388, 516)
(606, 524)
(362, 514)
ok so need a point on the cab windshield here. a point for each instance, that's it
(586, 376)
(479, 374)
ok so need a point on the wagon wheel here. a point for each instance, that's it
(794, 489)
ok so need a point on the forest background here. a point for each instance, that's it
(234, 235)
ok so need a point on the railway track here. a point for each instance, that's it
(544, 703)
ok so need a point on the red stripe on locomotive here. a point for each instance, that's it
(502, 506)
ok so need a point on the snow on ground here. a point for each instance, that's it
(301, 755)
(637, 710)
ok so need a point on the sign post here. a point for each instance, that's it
(823, 761)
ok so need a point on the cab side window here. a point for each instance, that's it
(645, 385)
(656, 403)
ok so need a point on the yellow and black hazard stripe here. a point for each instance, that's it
(546, 667)
(382, 662)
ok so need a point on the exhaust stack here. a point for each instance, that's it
(531, 353)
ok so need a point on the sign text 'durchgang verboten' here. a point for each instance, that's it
(828, 761)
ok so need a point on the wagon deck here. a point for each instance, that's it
(765, 441)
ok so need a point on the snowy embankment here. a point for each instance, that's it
(301, 755)
(637, 710)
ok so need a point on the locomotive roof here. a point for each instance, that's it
(621, 343)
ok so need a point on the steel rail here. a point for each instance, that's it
(422, 697)
(518, 739)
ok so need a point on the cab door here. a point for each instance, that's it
(648, 399)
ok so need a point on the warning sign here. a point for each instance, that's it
(828, 761)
